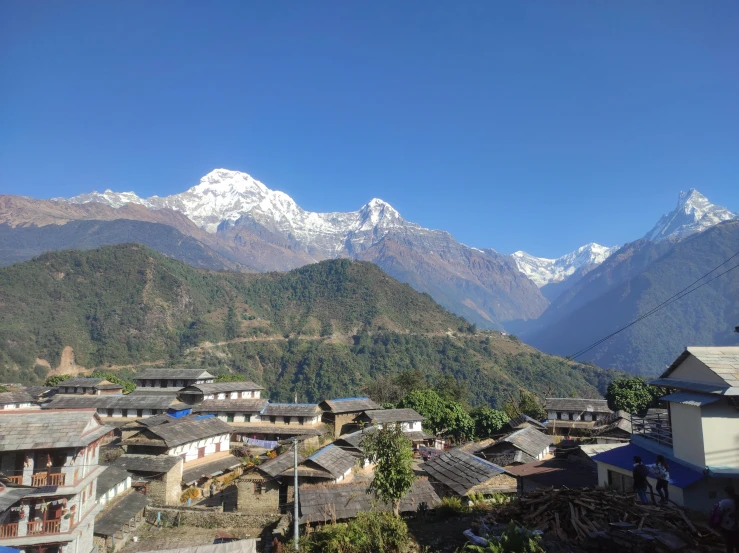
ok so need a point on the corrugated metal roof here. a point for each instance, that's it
(691, 398)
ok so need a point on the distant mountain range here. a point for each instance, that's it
(230, 221)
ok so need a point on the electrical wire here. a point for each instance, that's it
(672, 299)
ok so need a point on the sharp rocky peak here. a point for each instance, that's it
(694, 213)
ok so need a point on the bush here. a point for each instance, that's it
(513, 540)
(370, 532)
(452, 506)
(189, 493)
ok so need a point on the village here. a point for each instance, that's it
(85, 467)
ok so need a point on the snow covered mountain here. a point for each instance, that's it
(543, 271)
(693, 214)
(481, 285)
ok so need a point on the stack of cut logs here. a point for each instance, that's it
(607, 519)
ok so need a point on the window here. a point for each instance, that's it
(124, 412)
(273, 420)
(257, 488)
(301, 420)
(110, 412)
(287, 419)
(139, 413)
(229, 417)
(572, 417)
(559, 416)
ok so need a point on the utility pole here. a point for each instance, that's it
(296, 523)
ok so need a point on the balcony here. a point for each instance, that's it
(40, 527)
(45, 479)
(16, 479)
(9, 530)
(654, 427)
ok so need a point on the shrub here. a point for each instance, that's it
(452, 506)
(513, 540)
(189, 493)
(370, 532)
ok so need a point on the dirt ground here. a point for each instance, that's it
(439, 536)
(152, 538)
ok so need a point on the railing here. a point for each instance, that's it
(40, 527)
(9, 530)
(655, 427)
(16, 479)
(46, 479)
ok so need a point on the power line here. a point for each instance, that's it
(675, 297)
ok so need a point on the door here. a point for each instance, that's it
(201, 452)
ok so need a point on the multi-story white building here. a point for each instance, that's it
(50, 462)
(698, 434)
(149, 379)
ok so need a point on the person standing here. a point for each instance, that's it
(729, 527)
(639, 475)
(661, 469)
(212, 489)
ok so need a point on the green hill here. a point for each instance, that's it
(322, 330)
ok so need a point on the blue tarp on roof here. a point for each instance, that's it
(623, 457)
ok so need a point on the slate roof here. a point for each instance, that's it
(577, 404)
(354, 439)
(529, 440)
(379, 416)
(723, 361)
(461, 471)
(37, 391)
(508, 458)
(130, 401)
(80, 382)
(516, 423)
(111, 477)
(333, 459)
(208, 470)
(692, 398)
(222, 387)
(556, 473)
(146, 463)
(178, 432)
(172, 374)
(291, 410)
(48, 429)
(279, 429)
(120, 513)
(278, 465)
(11, 496)
(323, 503)
(350, 404)
(230, 405)
(7, 398)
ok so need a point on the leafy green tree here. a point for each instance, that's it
(488, 421)
(56, 379)
(231, 325)
(442, 416)
(526, 404)
(634, 395)
(392, 453)
(230, 377)
(128, 386)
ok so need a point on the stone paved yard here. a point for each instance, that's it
(153, 538)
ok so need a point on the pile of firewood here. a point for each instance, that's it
(607, 520)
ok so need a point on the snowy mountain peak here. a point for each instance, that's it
(543, 271)
(693, 214)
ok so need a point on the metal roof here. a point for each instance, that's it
(173, 374)
(556, 473)
(461, 471)
(325, 503)
(118, 514)
(291, 409)
(681, 475)
(691, 398)
(111, 477)
(49, 429)
(350, 404)
(147, 463)
(577, 404)
(223, 387)
(379, 416)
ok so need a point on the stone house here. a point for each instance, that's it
(265, 489)
(459, 473)
(160, 475)
(574, 416)
(190, 437)
(89, 386)
(342, 413)
(17, 400)
(217, 391)
(329, 464)
(522, 446)
(281, 421)
(409, 419)
(696, 434)
(114, 482)
(151, 379)
(51, 462)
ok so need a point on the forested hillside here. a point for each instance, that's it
(323, 330)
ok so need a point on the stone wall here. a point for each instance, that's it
(257, 495)
(167, 489)
(344, 424)
(208, 517)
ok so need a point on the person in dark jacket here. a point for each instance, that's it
(640, 473)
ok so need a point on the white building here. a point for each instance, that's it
(151, 379)
(55, 453)
(698, 433)
(17, 400)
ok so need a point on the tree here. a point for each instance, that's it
(392, 453)
(56, 379)
(634, 395)
(3, 389)
(231, 326)
(442, 416)
(526, 404)
(488, 421)
(128, 386)
(230, 377)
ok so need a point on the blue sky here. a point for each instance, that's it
(513, 125)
